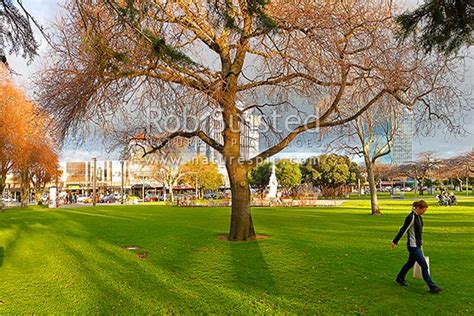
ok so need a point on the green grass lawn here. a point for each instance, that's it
(318, 261)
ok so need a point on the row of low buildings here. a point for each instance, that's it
(77, 177)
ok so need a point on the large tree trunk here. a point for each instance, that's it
(2, 184)
(374, 203)
(241, 225)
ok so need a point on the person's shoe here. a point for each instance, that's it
(435, 290)
(402, 282)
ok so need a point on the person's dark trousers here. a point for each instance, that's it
(416, 255)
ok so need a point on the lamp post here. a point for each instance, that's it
(122, 182)
(94, 181)
(143, 188)
(358, 186)
(197, 186)
(56, 201)
(362, 185)
(467, 179)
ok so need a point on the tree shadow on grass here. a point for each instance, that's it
(99, 283)
(251, 269)
(122, 283)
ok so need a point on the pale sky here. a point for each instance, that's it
(45, 12)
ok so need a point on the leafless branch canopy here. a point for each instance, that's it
(113, 60)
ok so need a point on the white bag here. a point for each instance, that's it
(417, 269)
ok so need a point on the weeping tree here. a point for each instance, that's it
(113, 59)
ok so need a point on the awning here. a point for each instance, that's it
(140, 186)
(73, 187)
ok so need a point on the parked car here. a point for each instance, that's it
(152, 198)
(210, 195)
(133, 198)
(88, 199)
(108, 199)
(118, 196)
(223, 195)
(82, 198)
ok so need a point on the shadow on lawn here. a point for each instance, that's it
(118, 282)
(251, 269)
(27, 225)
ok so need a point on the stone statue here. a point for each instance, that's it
(272, 185)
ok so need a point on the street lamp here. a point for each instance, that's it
(143, 188)
(122, 182)
(94, 181)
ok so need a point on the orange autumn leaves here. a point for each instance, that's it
(26, 148)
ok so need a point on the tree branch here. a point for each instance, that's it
(282, 79)
(202, 135)
(300, 129)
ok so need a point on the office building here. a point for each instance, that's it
(402, 148)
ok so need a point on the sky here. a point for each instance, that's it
(45, 12)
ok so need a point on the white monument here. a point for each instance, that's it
(53, 197)
(272, 185)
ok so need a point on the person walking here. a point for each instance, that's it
(413, 227)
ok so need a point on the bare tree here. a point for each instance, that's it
(386, 171)
(460, 167)
(370, 136)
(425, 166)
(340, 55)
(163, 165)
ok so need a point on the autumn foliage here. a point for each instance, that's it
(26, 149)
(202, 174)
